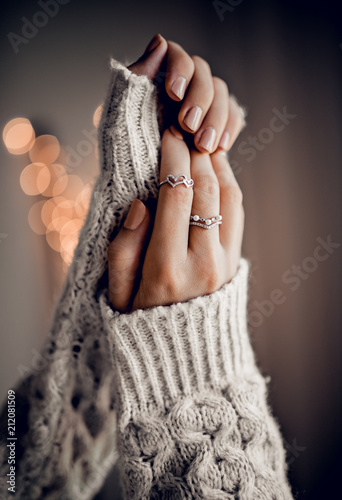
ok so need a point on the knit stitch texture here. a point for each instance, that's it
(174, 391)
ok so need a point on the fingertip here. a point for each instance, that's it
(153, 44)
(176, 133)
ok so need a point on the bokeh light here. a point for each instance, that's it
(46, 149)
(35, 178)
(35, 219)
(48, 208)
(74, 187)
(52, 237)
(58, 180)
(83, 200)
(97, 115)
(18, 136)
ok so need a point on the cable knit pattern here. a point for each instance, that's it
(193, 418)
(65, 412)
(176, 386)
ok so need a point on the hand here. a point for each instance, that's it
(202, 102)
(181, 261)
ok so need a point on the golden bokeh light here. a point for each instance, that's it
(83, 200)
(35, 219)
(97, 115)
(74, 187)
(46, 149)
(71, 228)
(58, 180)
(35, 178)
(48, 208)
(52, 237)
(64, 208)
(18, 136)
(57, 223)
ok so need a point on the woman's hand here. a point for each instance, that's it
(181, 261)
(202, 101)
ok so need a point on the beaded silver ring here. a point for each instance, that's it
(196, 220)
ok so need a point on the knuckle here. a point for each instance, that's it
(199, 61)
(234, 194)
(213, 275)
(119, 252)
(220, 84)
(225, 179)
(208, 185)
(179, 196)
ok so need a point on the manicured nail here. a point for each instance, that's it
(192, 118)
(224, 142)
(207, 139)
(135, 215)
(174, 131)
(153, 43)
(178, 87)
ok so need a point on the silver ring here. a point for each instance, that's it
(196, 220)
(176, 181)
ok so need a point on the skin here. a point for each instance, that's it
(165, 260)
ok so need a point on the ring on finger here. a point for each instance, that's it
(177, 180)
(196, 220)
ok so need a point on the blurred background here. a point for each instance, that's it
(283, 60)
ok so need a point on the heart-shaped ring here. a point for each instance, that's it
(176, 181)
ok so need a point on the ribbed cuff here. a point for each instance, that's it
(168, 351)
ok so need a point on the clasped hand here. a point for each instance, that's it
(162, 260)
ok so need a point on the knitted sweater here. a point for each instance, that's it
(173, 391)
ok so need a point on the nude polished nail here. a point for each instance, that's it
(207, 139)
(224, 142)
(135, 215)
(192, 118)
(178, 87)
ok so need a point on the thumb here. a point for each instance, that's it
(124, 256)
(149, 63)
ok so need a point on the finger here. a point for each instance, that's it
(209, 134)
(199, 97)
(235, 124)
(125, 256)
(231, 229)
(179, 71)
(149, 63)
(171, 225)
(206, 203)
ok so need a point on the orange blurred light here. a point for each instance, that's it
(52, 237)
(97, 115)
(74, 187)
(34, 218)
(64, 208)
(18, 136)
(48, 208)
(58, 180)
(83, 200)
(35, 178)
(45, 149)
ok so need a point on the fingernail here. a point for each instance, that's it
(207, 139)
(192, 118)
(174, 131)
(153, 43)
(178, 87)
(135, 215)
(224, 141)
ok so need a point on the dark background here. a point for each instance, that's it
(273, 55)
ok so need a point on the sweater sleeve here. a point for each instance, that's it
(65, 418)
(193, 419)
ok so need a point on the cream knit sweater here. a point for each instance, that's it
(173, 391)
